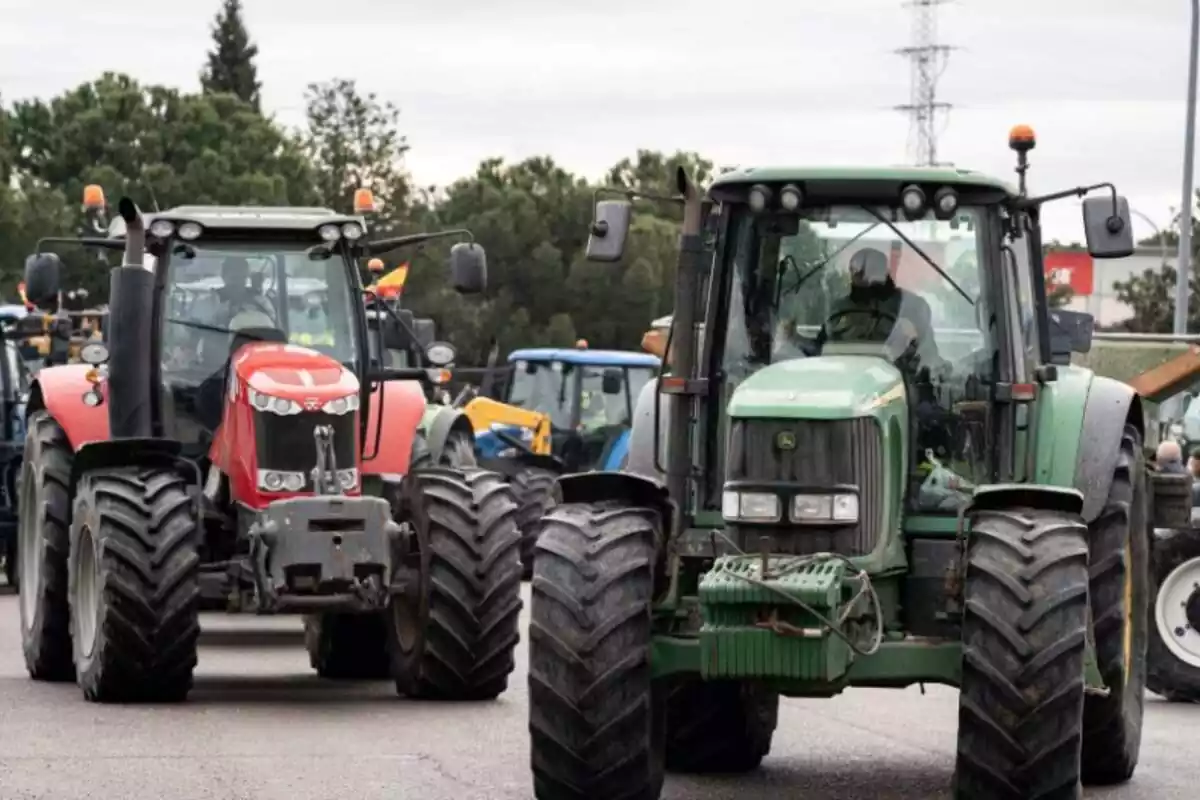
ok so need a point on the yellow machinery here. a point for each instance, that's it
(492, 416)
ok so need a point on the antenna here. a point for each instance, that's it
(928, 58)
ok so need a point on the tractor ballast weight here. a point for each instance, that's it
(815, 503)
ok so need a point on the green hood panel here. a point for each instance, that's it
(824, 387)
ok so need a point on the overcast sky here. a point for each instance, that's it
(755, 81)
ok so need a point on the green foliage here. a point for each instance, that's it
(1151, 295)
(230, 68)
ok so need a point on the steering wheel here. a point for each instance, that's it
(879, 315)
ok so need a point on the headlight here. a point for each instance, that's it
(270, 480)
(330, 232)
(347, 479)
(276, 405)
(439, 354)
(825, 507)
(162, 228)
(352, 231)
(341, 405)
(190, 231)
(750, 506)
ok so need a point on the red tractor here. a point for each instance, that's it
(199, 454)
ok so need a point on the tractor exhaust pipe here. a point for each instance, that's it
(683, 338)
(131, 335)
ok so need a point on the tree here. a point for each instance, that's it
(230, 66)
(152, 143)
(1151, 295)
(353, 141)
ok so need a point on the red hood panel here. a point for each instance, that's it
(289, 370)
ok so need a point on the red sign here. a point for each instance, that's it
(1070, 268)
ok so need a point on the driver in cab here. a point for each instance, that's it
(877, 310)
(241, 306)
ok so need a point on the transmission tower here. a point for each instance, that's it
(928, 58)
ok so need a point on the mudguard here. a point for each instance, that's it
(60, 391)
(641, 459)
(403, 404)
(627, 488)
(130, 453)
(439, 422)
(1033, 495)
(1080, 421)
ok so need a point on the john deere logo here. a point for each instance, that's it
(785, 440)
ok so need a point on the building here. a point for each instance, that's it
(1093, 283)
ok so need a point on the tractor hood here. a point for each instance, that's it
(824, 387)
(294, 372)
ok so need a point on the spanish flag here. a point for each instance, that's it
(392, 284)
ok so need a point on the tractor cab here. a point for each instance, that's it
(588, 396)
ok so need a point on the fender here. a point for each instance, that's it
(627, 488)
(1079, 425)
(60, 391)
(641, 434)
(134, 453)
(1034, 495)
(617, 454)
(439, 422)
(403, 405)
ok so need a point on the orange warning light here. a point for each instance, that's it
(375, 265)
(581, 344)
(93, 196)
(1021, 137)
(364, 201)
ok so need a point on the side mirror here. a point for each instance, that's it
(612, 381)
(610, 229)
(1107, 226)
(426, 331)
(468, 268)
(42, 272)
(1070, 332)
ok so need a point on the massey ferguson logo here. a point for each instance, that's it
(311, 403)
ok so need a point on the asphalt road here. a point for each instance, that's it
(260, 726)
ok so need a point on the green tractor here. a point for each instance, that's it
(856, 473)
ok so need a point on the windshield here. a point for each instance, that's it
(271, 291)
(850, 279)
(547, 387)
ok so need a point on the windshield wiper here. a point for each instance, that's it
(919, 252)
(829, 258)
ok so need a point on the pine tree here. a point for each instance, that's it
(231, 62)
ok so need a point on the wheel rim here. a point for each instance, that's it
(1177, 593)
(85, 602)
(29, 541)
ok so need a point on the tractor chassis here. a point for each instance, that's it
(308, 554)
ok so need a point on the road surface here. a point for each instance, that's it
(260, 726)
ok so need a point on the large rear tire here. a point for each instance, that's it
(1175, 618)
(134, 585)
(534, 490)
(1025, 626)
(11, 573)
(719, 726)
(43, 521)
(1120, 599)
(596, 719)
(453, 637)
(356, 647)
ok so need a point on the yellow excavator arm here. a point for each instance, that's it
(484, 412)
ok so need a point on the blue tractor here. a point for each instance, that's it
(589, 397)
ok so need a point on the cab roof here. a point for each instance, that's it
(595, 358)
(905, 175)
(275, 218)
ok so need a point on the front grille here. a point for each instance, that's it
(286, 443)
(827, 453)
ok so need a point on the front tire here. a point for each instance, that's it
(719, 726)
(1025, 624)
(1175, 618)
(453, 638)
(596, 719)
(134, 586)
(43, 521)
(534, 490)
(1120, 599)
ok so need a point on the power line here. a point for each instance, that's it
(928, 58)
